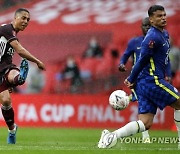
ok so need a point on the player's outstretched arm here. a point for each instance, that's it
(26, 54)
(127, 53)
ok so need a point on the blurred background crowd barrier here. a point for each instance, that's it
(5, 4)
(78, 111)
(63, 28)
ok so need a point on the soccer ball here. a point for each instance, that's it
(119, 100)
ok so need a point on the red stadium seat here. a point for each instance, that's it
(51, 81)
(89, 64)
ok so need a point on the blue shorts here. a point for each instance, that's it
(153, 95)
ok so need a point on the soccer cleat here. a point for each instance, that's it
(12, 135)
(146, 140)
(24, 68)
(107, 140)
(100, 143)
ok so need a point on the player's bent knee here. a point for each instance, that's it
(147, 119)
(148, 125)
(5, 101)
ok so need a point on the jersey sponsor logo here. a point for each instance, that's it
(151, 44)
(2, 46)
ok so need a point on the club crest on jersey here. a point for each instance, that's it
(151, 44)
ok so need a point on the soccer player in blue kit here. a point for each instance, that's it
(133, 49)
(152, 89)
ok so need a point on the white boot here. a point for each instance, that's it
(107, 139)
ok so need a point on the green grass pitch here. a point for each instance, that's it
(77, 141)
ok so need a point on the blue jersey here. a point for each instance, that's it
(133, 49)
(154, 57)
(151, 88)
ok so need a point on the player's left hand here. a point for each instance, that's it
(128, 84)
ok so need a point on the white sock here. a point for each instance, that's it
(145, 134)
(130, 129)
(177, 121)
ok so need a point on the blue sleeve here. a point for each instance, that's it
(168, 69)
(168, 66)
(145, 55)
(128, 52)
(141, 63)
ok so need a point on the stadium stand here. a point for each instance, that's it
(57, 33)
(4, 4)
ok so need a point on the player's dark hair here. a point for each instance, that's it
(145, 22)
(154, 8)
(20, 10)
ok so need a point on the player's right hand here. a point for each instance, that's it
(122, 68)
